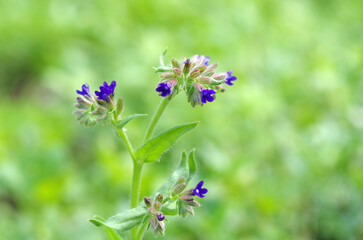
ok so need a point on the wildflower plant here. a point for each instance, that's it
(198, 78)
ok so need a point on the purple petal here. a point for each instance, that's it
(203, 191)
(200, 184)
(231, 78)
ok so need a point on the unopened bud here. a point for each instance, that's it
(205, 80)
(179, 188)
(167, 75)
(211, 67)
(172, 82)
(175, 63)
(147, 201)
(177, 71)
(159, 198)
(223, 89)
(219, 76)
(195, 73)
(157, 206)
(186, 66)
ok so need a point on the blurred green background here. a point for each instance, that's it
(280, 152)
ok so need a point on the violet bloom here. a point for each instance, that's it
(164, 89)
(85, 90)
(106, 91)
(206, 95)
(230, 78)
(206, 61)
(199, 191)
(160, 216)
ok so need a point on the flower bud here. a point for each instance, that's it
(186, 66)
(157, 206)
(205, 80)
(167, 75)
(194, 74)
(159, 198)
(211, 67)
(175, 63)
(223, 89)
(219, 76)
(147, 201)
(172, 82)
(177, 72)
(179, 188)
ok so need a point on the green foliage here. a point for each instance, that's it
(121, 123)
(280, 152)
(123, 221)
(152, 150)
(186, 169)
(111, 234)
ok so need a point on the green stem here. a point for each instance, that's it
(124, 137)
(135, 190)
(142, 228)
(164, 102)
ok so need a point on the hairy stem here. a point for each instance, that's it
(142, 228)
(124, 137)
(135, 190)
(159, 111)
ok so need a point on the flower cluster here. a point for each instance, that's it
(184, 200)
(156, 216)
(196, 77)
(93, 109)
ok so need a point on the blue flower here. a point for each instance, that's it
(199, 191)
(164, 89)
(106, 91)
(206, 61)
(85, 90)
(160, 216)
(230, 78)
(206, 95)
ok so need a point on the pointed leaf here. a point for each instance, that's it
(192, 165)
(153, 149)
(181, 171)
(123, 221)
(126, 120)
(162, 55)
(111, 234)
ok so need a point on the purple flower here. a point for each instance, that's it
(164, 89)
(85, 90)
(106, 91)
(199, 191)
(206, 95)
(206, 61)
(160, 216)
(230, 78)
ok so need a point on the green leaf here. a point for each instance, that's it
(192, 165)
(123, 221)
(163, 69)
(169, 209)
(126, 120)
(181, 171)
(153, 149)
(162, 55)
(111, 234)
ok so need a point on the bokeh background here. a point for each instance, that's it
(280, 152)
